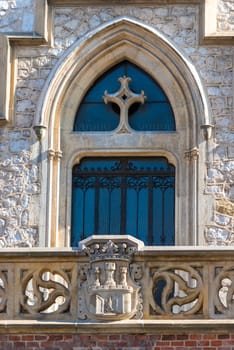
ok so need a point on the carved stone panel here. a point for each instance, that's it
(109, 290)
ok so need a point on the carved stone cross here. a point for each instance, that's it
(124, 98)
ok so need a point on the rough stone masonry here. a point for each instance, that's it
(20, 172)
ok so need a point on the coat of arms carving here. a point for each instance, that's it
(108, 289)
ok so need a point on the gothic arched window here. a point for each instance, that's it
(126, 194)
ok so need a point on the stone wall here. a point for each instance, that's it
(197, 341)
(19, 157)
(225, 17)
(17, 15)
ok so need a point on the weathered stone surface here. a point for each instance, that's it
(19, 145)
(217, 236)
(224, 206)
(17, 15)
(222, 220)
(20, 177)
(16, 175)
(225, 18)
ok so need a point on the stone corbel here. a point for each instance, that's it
(192, 154)
(40, 131)
(207, 131)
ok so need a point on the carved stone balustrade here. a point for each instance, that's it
(117, 280)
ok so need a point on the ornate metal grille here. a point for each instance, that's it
(124, 195)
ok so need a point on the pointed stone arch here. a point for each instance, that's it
(83, 63)
(123, 38)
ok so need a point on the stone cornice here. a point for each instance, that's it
(127, 327)
(64, 3)
(62, 254)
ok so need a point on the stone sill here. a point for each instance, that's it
(64, 3)
(121, 327)
(144, 251)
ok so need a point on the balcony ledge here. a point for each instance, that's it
(120, 327)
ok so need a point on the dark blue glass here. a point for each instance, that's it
(154, 115)
(124, 195)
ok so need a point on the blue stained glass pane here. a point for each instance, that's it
(96, 117)
(89, 209)
(154, 115)
(142, 81)
(108, 81)
(115, 212)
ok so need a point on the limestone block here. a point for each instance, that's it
(24, 201)
(225, 18)
(24, 218)
(231, 193)
(214, 175)
(213, 91)
(231, 151)
(224, 206)
(17, 15)
(2, 226)
(187, 22)
(24, 121)
(25, 106)
(94, 21)
(19, 145)
(222, 220)
(216, 235)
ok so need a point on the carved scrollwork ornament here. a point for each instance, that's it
(40, 131)
(176, 290)
(3, 291)
(45, 291)
(223, 292)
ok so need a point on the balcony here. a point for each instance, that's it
(116, 282)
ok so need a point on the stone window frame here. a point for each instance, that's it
(76, 71)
